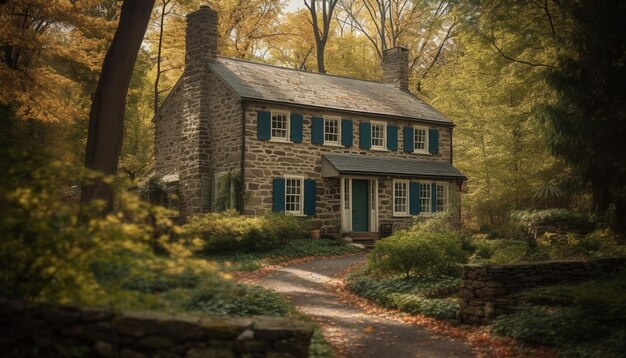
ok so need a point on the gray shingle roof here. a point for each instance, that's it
(271, 83)
(361, 164)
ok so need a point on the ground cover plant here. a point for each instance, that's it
(292, 249)
(585, 319)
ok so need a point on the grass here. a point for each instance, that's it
(293, 249)
(428, 297)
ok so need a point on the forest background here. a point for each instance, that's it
(532, 85)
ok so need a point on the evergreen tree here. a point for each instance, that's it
(587, 125)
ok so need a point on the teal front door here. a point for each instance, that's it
(360, 214)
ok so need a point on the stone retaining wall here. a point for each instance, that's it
(486, 289)
(48, 330)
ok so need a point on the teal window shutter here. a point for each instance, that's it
(295, 128)
(263, 125)
(279, 195)
(309, 197)
(392, 138)
(346, 133)
(433, 197)
(408, 139)
(414, 198)
(317, 130)
(365, 135)
(433, 141)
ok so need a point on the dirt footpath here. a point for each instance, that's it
(352, 331)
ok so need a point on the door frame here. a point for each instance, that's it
(345, 199)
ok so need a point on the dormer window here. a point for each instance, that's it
(378, 135)
(280, 126)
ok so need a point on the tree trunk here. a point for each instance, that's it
(106, 119)
(320, 58)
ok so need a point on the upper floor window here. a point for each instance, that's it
(378, 135)
(280, 126)
(332, 131)
(442, 196)
(425, 198)
(420, 135)
(293, 195)
(400, 198)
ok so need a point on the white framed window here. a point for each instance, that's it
(294, 194)
(332, 131)
(379, 131)
(425, 198)
(401, 198)
(442, 196)
(420, 137)
(280, 126)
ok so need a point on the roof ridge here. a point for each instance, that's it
(305, 71)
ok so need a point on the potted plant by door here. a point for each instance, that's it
(315, 231)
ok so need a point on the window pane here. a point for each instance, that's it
(420, 139)
(293, 193)
(442, 196)
(331, 130)
(378, 135)
(400, 197)
(425, 197)
(279, 125)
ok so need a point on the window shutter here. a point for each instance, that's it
(264, 125)
(392, 138)
(433, 141)
(279, 195)
(317, 130)
(295, 128)
(346, 133)
(408, 139)
(433, 197)
(414, 198)
(365, 135)
(309, 197)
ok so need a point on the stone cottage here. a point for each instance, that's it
(352, 155)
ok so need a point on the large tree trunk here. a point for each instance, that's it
(106, 120)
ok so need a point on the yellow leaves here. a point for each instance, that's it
(368, 329)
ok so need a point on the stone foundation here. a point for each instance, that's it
(486, 290)
(49, 330)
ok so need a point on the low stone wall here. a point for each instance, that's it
(486, 289)
(51, 331)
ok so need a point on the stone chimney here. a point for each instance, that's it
(194, 167)
(201, 36)
(396, 67)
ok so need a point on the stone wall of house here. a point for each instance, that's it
(265, 160)
(46, 330)
(167, 125)
(486, 290)
(198, 130)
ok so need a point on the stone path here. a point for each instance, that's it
(351, 330)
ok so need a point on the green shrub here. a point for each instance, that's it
(500, 251)
(532, 218)
(287, 227)
(229, 231)
(420, 254)
(599, 243)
